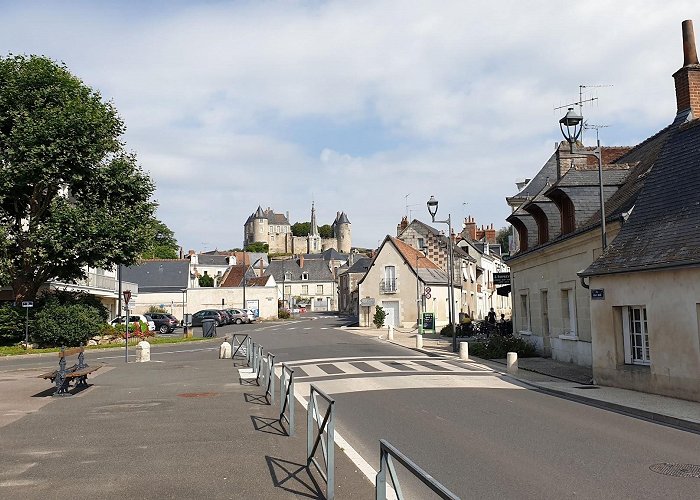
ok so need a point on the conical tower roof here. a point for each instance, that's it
(343, 219)
(259, 214)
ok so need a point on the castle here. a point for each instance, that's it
(266, 226)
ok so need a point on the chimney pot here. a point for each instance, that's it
(690, 55)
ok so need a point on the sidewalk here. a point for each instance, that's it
(566, 380)
(172, 428)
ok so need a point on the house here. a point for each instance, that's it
(645, 319)
(403, 280)
(348, 277)
(305, 282)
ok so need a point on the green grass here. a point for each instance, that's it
(17, 350)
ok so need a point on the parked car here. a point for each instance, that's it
(165, 323)
(207, 314)
(251, 315)
(228, 318)
(133, 318)
(238, 316)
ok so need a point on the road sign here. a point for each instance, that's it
(597, 294)
(367, 302)
(27, 303)
(427, 295)
(427, 290)
(127, 296)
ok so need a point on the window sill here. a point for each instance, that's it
(568, 337)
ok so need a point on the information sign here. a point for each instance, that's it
(501, 278)
(27, 303)
(597, 294)
(428, 321)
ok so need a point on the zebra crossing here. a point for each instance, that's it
(338, 375)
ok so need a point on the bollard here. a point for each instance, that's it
(464, 351)
(419, 341)
(143, 352)
(391, 332)
(512, 362)
(225, 350)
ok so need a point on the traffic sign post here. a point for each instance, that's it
(27, 304)
(127, 298)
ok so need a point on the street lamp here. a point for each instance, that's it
(432, 209)
(571, 126)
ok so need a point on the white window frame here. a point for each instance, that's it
(319, 289)
(305, 290)
(525, 312)
(570, 330)
(304, 276)
(631, 328)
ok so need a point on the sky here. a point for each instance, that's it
(367, 107)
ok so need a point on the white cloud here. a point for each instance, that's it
(466, 91)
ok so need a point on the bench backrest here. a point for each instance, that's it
(69, 352)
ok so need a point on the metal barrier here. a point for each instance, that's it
(270, 377)
(287, 397)
(249, 351)
(257, 361)
(386, 452)
(241, 346)
(326, 425)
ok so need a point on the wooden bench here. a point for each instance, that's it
(63, 376)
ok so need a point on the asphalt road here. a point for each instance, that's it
(478, 433)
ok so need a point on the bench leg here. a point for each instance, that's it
(82, 381)
(62, 383)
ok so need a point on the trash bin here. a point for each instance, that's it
(208, 328)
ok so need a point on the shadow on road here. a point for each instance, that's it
(294, 478)
(256, 399)
(262, 424)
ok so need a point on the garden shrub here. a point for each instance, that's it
(11, 324)
(65, 297)
(65, 324)
(379, 315)
(498, 347)
(446, 330)
(283, 314)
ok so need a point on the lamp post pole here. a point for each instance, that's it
(184, 316)
(571, 126)
(432, 209)
(418, 299)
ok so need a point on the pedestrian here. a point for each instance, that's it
(491, 318)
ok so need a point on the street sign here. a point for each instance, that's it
(597, 294)
(127, 296)
(367, 302)
(27, 303)
(427, 290)
(428, 321)
(501, 278)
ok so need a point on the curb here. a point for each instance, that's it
(658, 418)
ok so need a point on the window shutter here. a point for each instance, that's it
(626, 335)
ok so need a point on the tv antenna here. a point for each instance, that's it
(581, 101)
(590, 126)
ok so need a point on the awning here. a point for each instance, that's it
(503, 290)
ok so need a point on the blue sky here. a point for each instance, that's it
(356, 104)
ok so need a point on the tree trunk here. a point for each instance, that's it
(25, 289)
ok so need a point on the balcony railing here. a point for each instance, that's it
(388, 286)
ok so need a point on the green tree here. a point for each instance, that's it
(206, 281)
(161, 242)
(325, 231)
(502, 239)
(301, 229)
(258, 247)
(379, 315)
(70, 196)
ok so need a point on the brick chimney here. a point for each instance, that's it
(403, 225)
(301, 261)
(470, 228)
(688, 77)
(490, 234)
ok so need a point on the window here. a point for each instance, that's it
(388, 284)
(288, 290)
(636, 335)
(304, 289)
(568, 308)
(319, 289)
(305, 276)
(524, 313)
(421, 243)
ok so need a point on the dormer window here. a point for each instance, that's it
(288, 276)
(304, 276)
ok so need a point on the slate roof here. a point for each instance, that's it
(270, 215)
(663, 229)
(317, 270)
(343, 219)
(548, 172)
(159, 275)
(212, 260)
(330, 254)
(360, 266)
(433, 276)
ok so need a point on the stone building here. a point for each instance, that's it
(266, 226)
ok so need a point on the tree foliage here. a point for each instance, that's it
(161, 241)
(70, 196)
(301, 228)
(206, 281)
(258, 247)
(66, 324)
(502, 239)
(325, 231)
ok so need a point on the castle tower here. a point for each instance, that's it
(313, 241)
(261, 227)
(343, 233)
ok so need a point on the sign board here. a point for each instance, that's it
(501, 278)
(27, 303)
(254, 306)
(597, 294)
(127, 295)
(428, 321)
(367, 302)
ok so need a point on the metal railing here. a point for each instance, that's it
(325, 422)
(388, 286)
(287, 397)
(239, 346)
(249, 352)
(257, 361)
(270, 378)
(386, 464)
